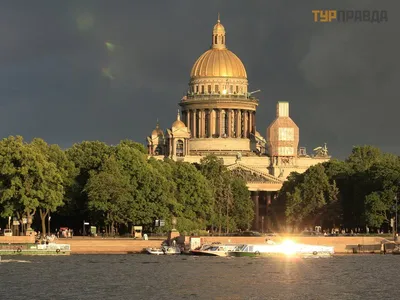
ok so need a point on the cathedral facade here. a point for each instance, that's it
(218, 116)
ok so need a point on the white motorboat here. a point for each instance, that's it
(155, 251)
(164, 250)
(214, 250)
(287, 248)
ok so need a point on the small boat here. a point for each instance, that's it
(35, 249)
(155, 251)
(287, 248)
(164, 250)
(214, 250)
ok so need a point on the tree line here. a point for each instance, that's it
(115, 187)
(358, 193)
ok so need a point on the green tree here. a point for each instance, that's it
(28, 179)
(65, 169)
(110, 193)
(306, 205)
(152, 195)
(242, 210)
(87, 156)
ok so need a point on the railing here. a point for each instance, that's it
(218, 96)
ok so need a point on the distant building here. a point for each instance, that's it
(219, 117)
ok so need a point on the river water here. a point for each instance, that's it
(143, 276)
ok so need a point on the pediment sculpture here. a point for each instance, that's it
(249, 176)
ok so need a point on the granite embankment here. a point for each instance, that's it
(126, 245)
(86, 245)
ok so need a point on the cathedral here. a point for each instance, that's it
(218, 116)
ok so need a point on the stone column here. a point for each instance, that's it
(202, 126)
(213, 122)
(188, 125)
(173, 147)
(245, 124)
(254, 122)
(238, 123)
(255, 198)
(221, 121)
(200, 129)
(218, 122)
(229, 129)
(194, 120)
(250, 123)
(267, 212)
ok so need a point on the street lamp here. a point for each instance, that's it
(9, 222)
(49, 226)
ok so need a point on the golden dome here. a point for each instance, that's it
(218, 61)
(219, 28)
(178, 123)
(157, 131)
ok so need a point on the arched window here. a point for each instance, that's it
(179, 148)
(215, 40)
(158, 151)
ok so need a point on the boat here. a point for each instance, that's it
(164, 250)
(35, 249)
(214, 250)
(155, 251)
(287, 248)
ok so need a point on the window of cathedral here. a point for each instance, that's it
(158, 151)
(197, 88)
(209, 88)
(237, 89)
(202, 89)
(215, 40)
(216, 88)
(231, 89)
(179, 148)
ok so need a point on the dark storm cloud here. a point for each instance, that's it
(59, 80)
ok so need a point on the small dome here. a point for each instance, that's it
(219, 28)
(178, 123)
(157, 131)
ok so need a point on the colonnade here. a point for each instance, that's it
(262, 213)
(224, 123)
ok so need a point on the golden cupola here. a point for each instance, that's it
(157, 131)
(217, 110)
(178, 124)
(218, 68)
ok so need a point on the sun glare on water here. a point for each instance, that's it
(289, 247)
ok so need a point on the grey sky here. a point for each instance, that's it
(59, 81)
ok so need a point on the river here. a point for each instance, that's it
(143, 276)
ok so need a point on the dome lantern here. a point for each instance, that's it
(218, 36)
